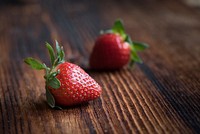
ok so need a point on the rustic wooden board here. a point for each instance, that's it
(162, 95)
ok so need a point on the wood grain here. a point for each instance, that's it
(161, 95)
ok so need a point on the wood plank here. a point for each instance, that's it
(161, 95)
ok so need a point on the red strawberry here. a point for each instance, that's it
(114, 49)
(76, 85)
(110, 52)
(66, 83)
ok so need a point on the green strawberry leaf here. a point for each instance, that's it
(50, 99)
(51, 52)
(119, 28)
(135, 46)
(53, 82)
(62, 55)
(35, 64)
(128, 39)
(140, 46)
(56, 62)
(58, 49)
(134, 55)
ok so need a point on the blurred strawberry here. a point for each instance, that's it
(114, 49)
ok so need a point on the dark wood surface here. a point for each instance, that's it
(162, 95)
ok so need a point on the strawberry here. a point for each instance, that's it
(66, 83)
(114, 48)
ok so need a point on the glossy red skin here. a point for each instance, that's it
(110, 52)
(76, 86)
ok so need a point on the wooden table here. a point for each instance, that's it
(162, 95)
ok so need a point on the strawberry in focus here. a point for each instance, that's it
(76, 86)
(114, 49)
(66, 83)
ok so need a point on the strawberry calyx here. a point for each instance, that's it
(50, 72)
(118, 28)
(56, 59)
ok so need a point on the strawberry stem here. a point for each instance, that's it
(50, 73)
